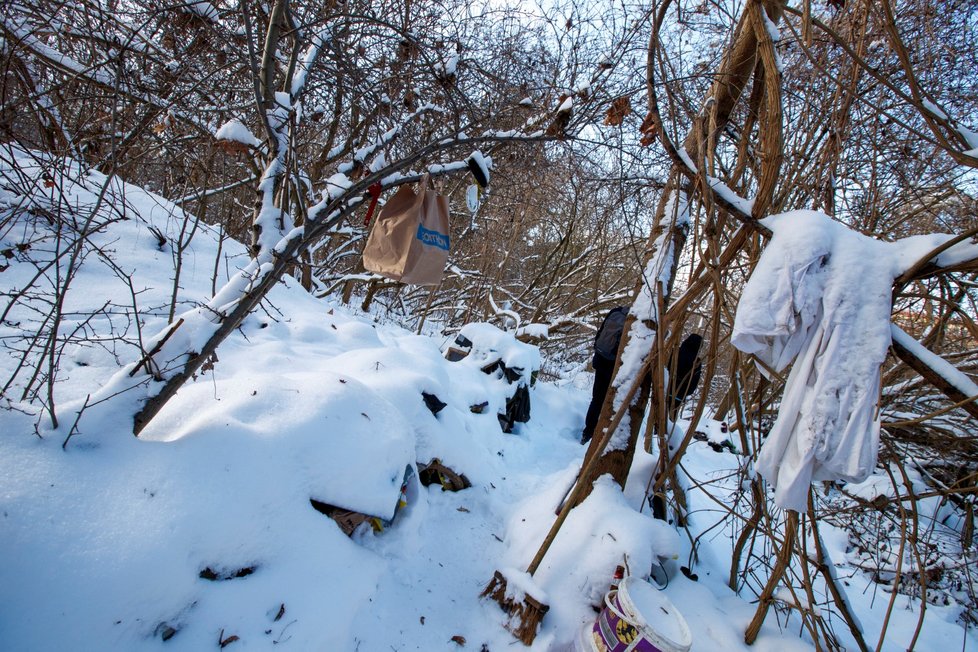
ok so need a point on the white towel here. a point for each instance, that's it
(820, 295)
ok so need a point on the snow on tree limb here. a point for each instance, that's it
(936, 370)
(207, 326)
(21, 33)
(505, 312)
(945, 252)
(234, 130)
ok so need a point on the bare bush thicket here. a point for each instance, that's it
(857, 109)
(827, 110)
(338, 97)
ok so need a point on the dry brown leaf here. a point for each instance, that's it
(558, 126)
(617, 111)
(459, 639)
(357, 171)
(224, 642)
(209, 364)
(232, 147)
(649, 129)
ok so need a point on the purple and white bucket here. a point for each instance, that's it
(636, 617)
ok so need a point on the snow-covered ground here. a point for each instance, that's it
(201, 534)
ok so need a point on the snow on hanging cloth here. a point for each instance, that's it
(820, 293)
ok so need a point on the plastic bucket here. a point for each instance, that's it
(584, 641)
(639, 618)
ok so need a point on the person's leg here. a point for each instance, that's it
(602, 379)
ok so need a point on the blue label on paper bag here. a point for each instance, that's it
(433, 238)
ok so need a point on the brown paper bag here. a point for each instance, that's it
(410, 239)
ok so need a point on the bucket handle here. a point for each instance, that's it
(621, 616)
(641, 627)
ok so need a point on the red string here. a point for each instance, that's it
(374, 190)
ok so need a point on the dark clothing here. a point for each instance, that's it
(684, 377)
(602, 380)
(606, 342)
(684, 374)
(608, 337)
(517, 409)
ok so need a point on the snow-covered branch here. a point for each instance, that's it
(936, 370)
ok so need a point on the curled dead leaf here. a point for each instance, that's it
(616, 113)
(209, 364)
(224, 642)
(558, 126)
(649, 129)
(357, 172)
(232, 147)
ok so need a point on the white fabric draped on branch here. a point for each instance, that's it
(821, 296)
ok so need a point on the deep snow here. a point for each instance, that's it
(102, 545)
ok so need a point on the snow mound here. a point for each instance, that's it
(491, 344)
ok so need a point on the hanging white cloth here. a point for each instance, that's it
(820, 295)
